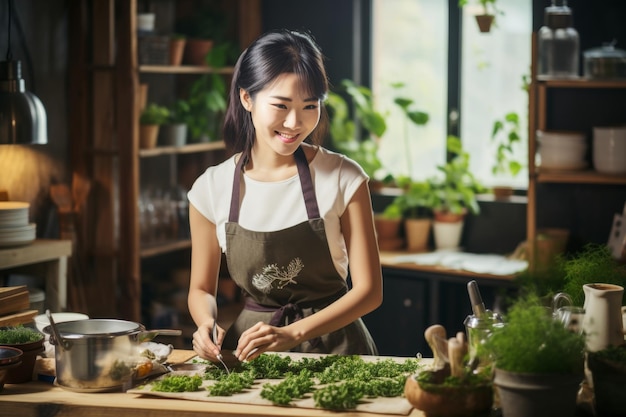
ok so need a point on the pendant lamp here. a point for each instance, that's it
(22, 115)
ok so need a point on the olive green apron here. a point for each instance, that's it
(288, 274)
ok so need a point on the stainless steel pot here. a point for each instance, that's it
(98, 354)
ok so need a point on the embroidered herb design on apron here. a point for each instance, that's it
(271, 274)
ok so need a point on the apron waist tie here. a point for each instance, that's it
(291, 311)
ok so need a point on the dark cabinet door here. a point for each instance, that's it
(398, 325)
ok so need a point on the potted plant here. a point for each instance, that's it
(488, 16)
(454, 196)
(204, 28)
(177, 48)
(538, 362)
(174, 131)
(414, 205)
(207, 98)
(30, 342)
(150, 120)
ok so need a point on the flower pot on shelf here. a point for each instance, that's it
(148, 135)
(448, 229)
(417, 234)
(174, 134)
(388, 233)
(177, 49)
(196, 51)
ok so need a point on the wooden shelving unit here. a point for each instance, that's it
(589, 103)
(105, 99)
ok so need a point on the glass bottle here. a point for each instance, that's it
(558, 43)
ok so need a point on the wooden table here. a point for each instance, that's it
(51, 255)
(36, 399)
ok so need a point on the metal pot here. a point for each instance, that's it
(98, 354)
(606, 62)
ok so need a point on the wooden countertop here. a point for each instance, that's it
(387, 261)
(44, 399)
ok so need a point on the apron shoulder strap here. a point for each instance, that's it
(306, 182)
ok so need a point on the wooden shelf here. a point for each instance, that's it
(579, 177)
(192, 148)
(165, 247)
(183, 69)
(581, 83)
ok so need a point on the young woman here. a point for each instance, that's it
(288, 213)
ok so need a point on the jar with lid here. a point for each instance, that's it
(558, 43)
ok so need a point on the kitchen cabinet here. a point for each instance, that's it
(583, 201)
(417, 296)
(105, 106)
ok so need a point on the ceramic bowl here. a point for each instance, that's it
(449, 401)
(10, 358)
(41, 321)
(560, 138)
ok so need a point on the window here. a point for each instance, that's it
(410, 45)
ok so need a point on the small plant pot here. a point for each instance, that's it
(537, 395)
(417, 234)
(148, 135)
(173, 134)
(484, 21)
(24, 372)
(388, 233)
(177, 48)
(196, 51)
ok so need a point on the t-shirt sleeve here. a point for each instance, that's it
(351, 176)
(200, 194)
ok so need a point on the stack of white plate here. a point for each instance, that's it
(562, 150)
(14, 227)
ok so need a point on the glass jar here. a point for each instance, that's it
(558, 43)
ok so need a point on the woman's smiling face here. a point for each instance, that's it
(283, 114)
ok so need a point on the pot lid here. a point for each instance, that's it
(607, 50)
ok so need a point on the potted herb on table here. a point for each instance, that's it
(538, 362)
(174, 131)
(30, 342)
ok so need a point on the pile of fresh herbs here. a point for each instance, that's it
(18, 335)
(338, 382)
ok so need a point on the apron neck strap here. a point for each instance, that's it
(306, 182)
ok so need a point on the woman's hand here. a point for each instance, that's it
(264, 338)
(203, 344)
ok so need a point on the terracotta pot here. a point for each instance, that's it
(148, 135)
(196, 51)
(24, 372)
(417, 234)
(484, 22)
(388, 233)
(177, 48)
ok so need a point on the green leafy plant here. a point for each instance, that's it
(531, 341)
(506, 134)
(415, 201)
(18, 335)
(154, 114)
(207, 97)
(593, 263)
(343, 129)
(456, 191)
(179, 112)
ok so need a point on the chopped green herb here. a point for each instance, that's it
(292, 387)
(177, 383)
(230, 384)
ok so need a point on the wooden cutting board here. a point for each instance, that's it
(390, 406)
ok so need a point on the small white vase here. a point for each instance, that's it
(603, 322)
(447, 235)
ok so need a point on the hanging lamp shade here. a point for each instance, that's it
(22, 115)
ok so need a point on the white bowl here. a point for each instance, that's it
(41, 321)
(560, 138)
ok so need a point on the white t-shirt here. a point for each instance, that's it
(272, 206)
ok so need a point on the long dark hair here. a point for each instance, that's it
(272, 54)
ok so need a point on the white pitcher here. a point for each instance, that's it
(602, 322)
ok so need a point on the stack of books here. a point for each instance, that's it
(14, 306)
